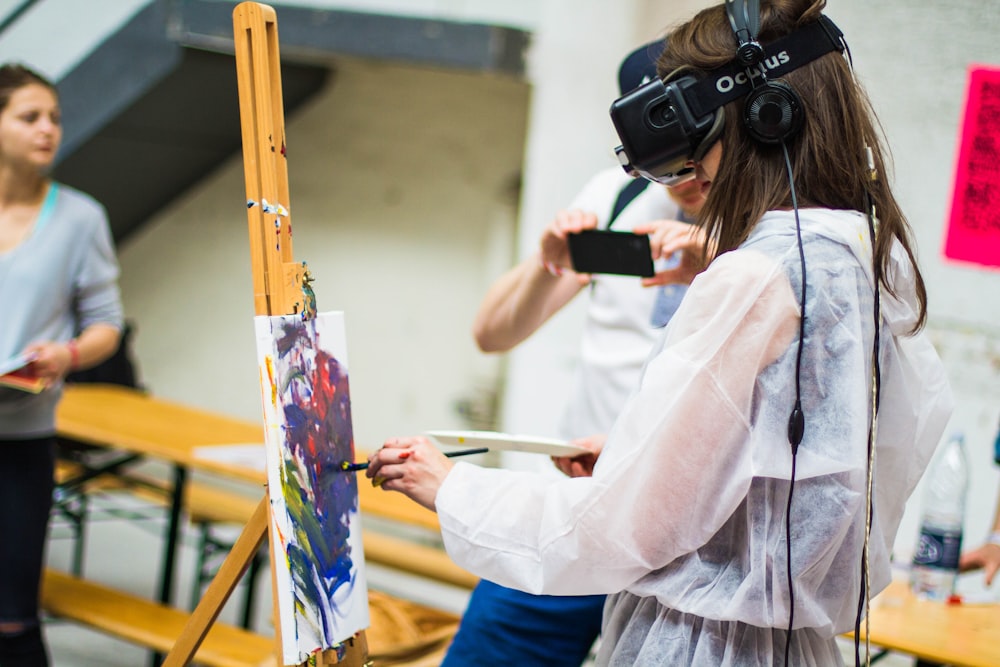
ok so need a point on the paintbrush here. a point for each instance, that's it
(354, 467)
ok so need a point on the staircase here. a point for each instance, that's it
(153, 107)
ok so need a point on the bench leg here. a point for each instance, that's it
(208, 548)
(172, 534)
(73, 507)
(201, 575)
(251, 583)
(170, 545)
(79, 536)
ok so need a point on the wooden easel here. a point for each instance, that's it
(277, 289)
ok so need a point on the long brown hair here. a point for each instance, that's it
(14, 77)
(827, 155)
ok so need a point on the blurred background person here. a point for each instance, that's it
(61, 312)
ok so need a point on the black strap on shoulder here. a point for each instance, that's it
(633, 189)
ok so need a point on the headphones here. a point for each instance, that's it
(772, 111)
(665, 124)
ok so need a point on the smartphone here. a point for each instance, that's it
(621, 253)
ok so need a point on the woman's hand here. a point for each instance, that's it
(986, 557)
(667, 237)
(412, 466)
(51, 362)
(581, 465)
(554, 246)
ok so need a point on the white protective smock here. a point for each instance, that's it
(684, 517)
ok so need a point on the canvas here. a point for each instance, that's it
(320, 571)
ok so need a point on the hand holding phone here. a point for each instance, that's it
(621, 253)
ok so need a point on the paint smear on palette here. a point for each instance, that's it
(322, 590)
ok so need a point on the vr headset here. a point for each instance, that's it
(663, 125)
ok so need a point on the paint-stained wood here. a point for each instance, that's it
(277, 279)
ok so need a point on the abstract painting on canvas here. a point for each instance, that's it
(320, 571)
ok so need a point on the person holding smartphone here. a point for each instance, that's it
(624, 318)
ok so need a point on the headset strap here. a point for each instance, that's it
(802, 47)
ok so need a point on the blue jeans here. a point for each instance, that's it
(502, 626)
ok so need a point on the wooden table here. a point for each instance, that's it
(115, 416)
(125, 419)
(963, 635)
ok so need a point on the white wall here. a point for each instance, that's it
(403, 203)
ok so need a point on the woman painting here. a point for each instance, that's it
(716, 544)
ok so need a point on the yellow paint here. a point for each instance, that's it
(269, 363)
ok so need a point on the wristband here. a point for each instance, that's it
(994, 538)
(74, 354)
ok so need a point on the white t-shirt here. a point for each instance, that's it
(618, 331)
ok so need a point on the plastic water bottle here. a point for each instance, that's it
(935, 563)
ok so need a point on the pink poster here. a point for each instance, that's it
(973, 233)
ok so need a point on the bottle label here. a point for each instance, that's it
(938, 548)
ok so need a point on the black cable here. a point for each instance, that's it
(877, 390)
(857, 618)
(788, 559)
(796, 421)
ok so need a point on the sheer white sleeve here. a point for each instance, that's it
(674, 468)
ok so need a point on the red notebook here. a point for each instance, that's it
(16, 374)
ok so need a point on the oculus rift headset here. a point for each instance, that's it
(665, 124)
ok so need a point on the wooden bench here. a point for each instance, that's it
(146, 623)
(401, 630)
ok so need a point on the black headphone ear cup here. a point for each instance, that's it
(772, 112)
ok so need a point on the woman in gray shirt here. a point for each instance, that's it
(61, 311)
